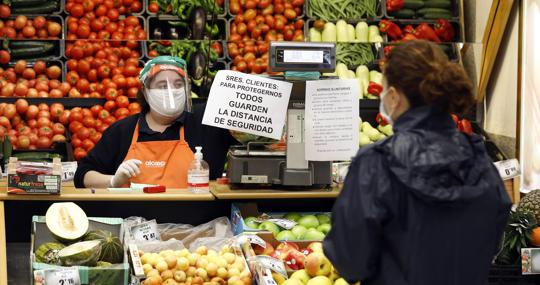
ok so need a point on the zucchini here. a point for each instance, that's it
(404, 14)
(413, 4)
(36, 156)
(32, 51)
(434, 16)
(26, 3)
(8, 148)
(46, 8)
(26, 44)
(424, 11)
(444, 4)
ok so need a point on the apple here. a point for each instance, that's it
(324, 228)
(285, 247)
(251, 222)
(269, 226)
(309, 221)
(301, 275)
(292, 216)
(313, 234)
(286, 235)
(341, 281)
(299, 231)
(259, 250)
(295, 282)
(319, 280)
(278, 278)
(334, 275)
(318, 265)
(294, 260)
(323, 219)
(316, 247)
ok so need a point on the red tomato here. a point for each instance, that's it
(89, 122)
(64, 117)
(10, 110)
(75, 126)
(79, 153)
(122, 101)
(75, 116)
(110, 106)
(45, 131)
(56, 110)
(43, 142)
(134, 108)
(96, 109)
(83, 133)
(21, 105)
(23, 141)
(58, 138)
(111, 94)
(58, 129)
(88, 144)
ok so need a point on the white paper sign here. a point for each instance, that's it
(331, 120)
(146, 231)
(247, 103)
(273, 264)
(64, 276)
(68, 169)
(508, 169)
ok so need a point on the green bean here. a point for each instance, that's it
(353, 54)
(349, 9)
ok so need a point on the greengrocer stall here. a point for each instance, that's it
(69, 69)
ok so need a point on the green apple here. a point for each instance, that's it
(323, 219)
(313, 234)
(299, 231)
(286, 235)
(251, 222)
(269, 226)
(324, 228)
(292, 216)
(341, 281)
(301, 275)
(292, 281)
(309, 221)
(319, 280)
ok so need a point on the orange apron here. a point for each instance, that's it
(163, 162)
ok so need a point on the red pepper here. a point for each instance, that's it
(387, 50)
(381, 120)
(217, 47)
(408, 37)
(165, 43)
(455, 119)
(374, 88)
(394, 5)
(465, 126)
(444, 30)
(409, 29)
(391, 29)
(426, 32)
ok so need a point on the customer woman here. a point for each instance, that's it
(156, 146)
(425, 206)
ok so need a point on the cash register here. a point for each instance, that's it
(260, 162)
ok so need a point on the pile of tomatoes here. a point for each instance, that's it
(249, 57)
(87, 125)
(268, 20)
(102, 69)
(24, 28)
(38, 80)
(31, 126)
(100, 19)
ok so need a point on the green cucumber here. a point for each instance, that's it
(413, 4)
(26, 3)
(435, 16)
(26, 44)
(444, 4)
(424, 11)
(32, 51)
(46, 8)
(33, 155)
(8, 148)
(404, 14)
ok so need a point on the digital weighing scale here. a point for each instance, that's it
(284, 166)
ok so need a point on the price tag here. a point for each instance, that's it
(252, 239)
(286, 224)
(68, 170)
(273, 264)
(267, 278)
(64, 276)
(146, 231)
(508, 169)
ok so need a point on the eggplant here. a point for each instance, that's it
(197, 65)
(157, 33)
(197, 23)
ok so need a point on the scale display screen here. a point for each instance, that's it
(298, 56)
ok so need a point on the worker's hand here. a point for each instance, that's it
(125, 171)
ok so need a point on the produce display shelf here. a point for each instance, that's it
(456, 9)
(59, 9)
(144, 4)
(142, 23)
(220, 15)
(56, 18)
(162, 22)
(67, 102)
(380, 12)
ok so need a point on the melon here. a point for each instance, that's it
(48, 253)
(81, 253)
(111, 248)
(103, 264)
(66, 221)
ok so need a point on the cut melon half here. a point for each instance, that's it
(66, 221)
(81, 253)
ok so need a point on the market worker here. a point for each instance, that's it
(425, 206)
(156, 146)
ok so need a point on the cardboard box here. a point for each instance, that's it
(117, 274)
(240, 211)
(22, 181)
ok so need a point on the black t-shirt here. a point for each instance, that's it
(111, 150)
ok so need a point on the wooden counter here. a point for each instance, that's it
(223, 192)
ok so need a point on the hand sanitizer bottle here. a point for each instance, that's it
(198, 173)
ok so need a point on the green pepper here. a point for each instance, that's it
(177, 23)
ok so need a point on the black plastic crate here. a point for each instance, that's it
(64, 149)
(459, 33)
(380, 12)
(143, 10)
(141, 22)
(222, 57)
(510, 275)
(141, 48)
(299, 15)
(167, 31)
(56, 18)
(455, 9)
(223, 14)
(59, 8)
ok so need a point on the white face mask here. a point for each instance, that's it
(169, 103)
(382, 109)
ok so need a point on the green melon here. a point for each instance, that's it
(82, 253)
(48, 253)
(103, 264)
(66, 221)
(111, 248)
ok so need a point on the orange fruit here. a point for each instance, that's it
(535, 236)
